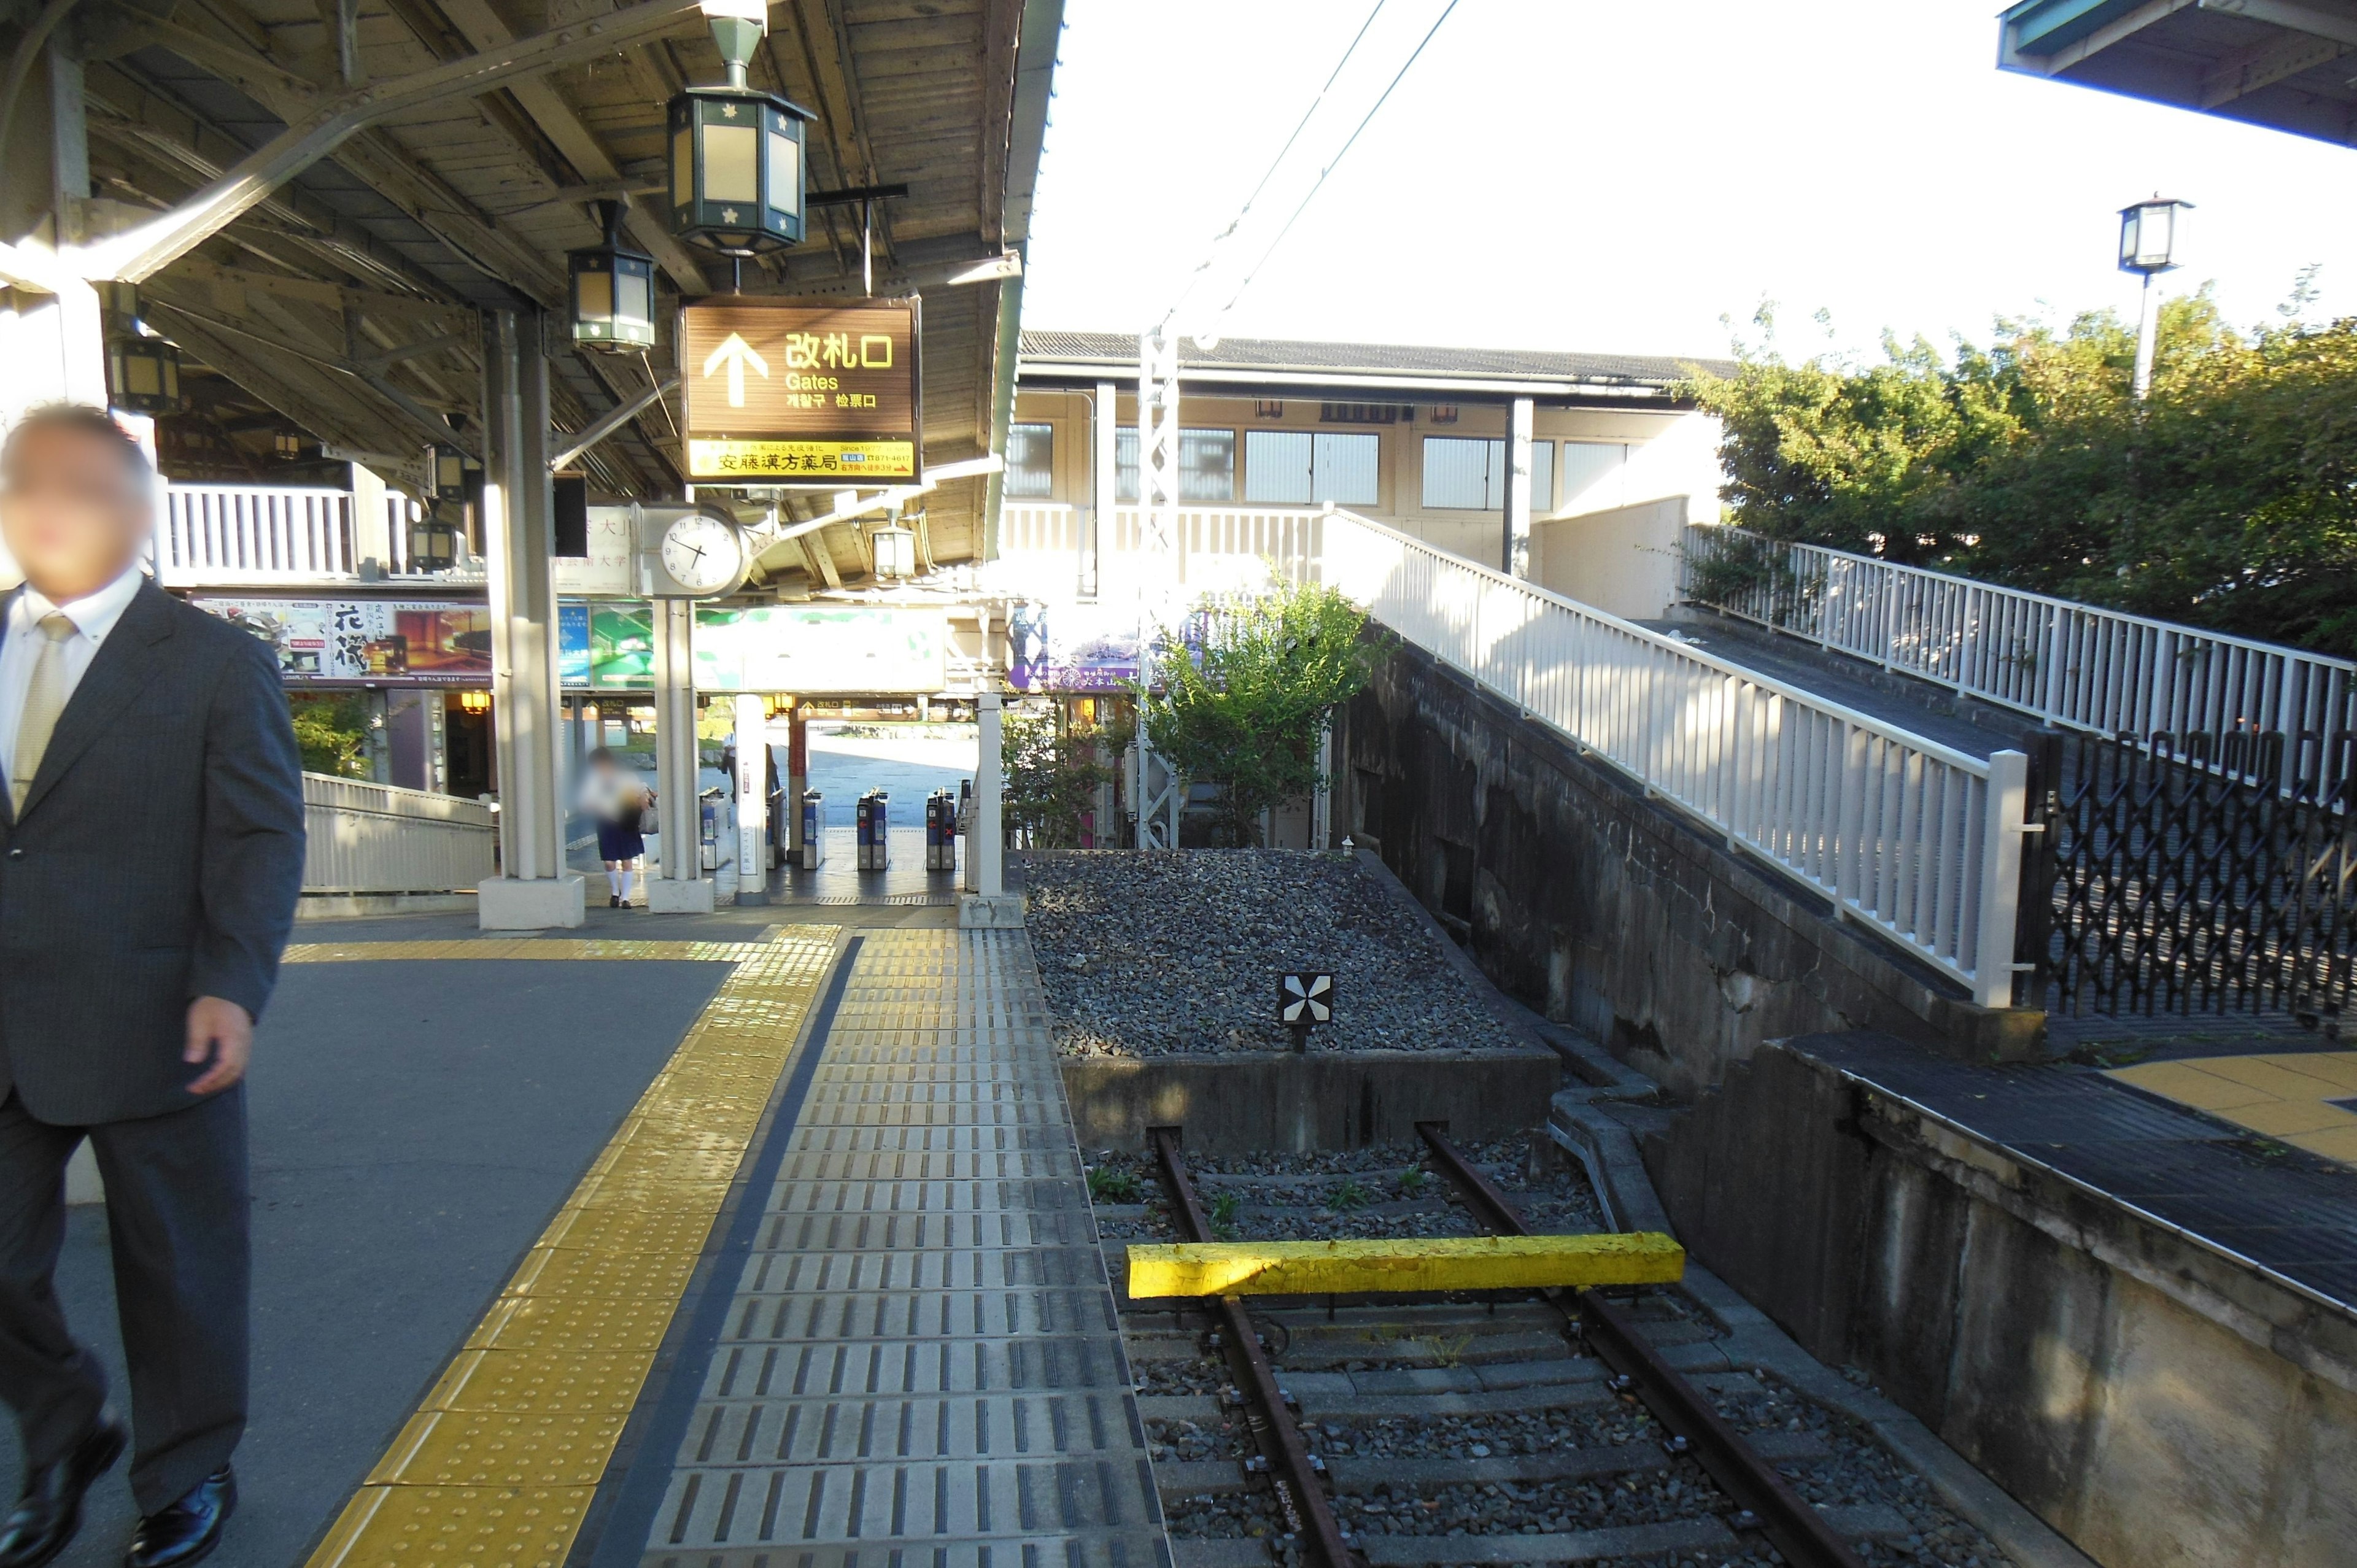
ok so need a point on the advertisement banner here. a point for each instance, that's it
(383, 642)
(1081, 647)
(848, 649)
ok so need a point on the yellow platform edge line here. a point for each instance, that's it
(1403, 1264)
(508, 1480)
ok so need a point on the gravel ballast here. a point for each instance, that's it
(1179, 952)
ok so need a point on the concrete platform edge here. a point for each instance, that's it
(1609, 1152)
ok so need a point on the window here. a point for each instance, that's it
(1207, 465)
(1277, 467)
(1465, 473)
(1030, 462)
(1298, 467)
(1342, 468)
(1591, 473)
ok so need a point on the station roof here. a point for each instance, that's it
(1382, 369)
(346, 304)
(2279, 63)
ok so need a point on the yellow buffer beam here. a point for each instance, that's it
(1408, 1263)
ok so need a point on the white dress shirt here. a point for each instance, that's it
(94, 617)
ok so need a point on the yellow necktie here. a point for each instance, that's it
(45, 699)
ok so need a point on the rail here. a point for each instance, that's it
(377, 838)
(1293, 1471)
(1796, 1530)
(2075, 666)
(1910, 838)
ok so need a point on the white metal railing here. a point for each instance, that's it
(256, 530)
(1219, 548)
(1919, 842)
(2068, 664)
(376, 838)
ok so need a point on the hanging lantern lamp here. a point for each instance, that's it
(613, 291)
(736, 151)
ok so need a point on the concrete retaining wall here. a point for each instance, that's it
(2157, 1402)
(1608, 912)
(1232, 1104)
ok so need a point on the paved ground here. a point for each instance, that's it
(1798, 663)
(910, 1347)
(413, 1125)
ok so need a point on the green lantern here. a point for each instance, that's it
(736, 152)
(142, 371)
(613, 292)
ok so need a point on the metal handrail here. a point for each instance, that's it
(2071, 665)
(1913, 839)
(364, 837)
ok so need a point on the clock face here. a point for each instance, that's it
(703, 554)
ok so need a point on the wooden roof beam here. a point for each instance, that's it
(138, 252)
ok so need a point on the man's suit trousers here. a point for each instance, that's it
(175, 1215)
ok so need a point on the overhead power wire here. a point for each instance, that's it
(1274, 163)
(1312, 194)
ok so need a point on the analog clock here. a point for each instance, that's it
(703, 555)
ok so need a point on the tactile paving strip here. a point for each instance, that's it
(500, 1463)
(919, 1363)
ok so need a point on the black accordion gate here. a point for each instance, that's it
(2186, 873)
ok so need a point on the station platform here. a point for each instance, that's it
(2224, 1130)
(712, 1241)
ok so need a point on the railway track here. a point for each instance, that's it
(1399, 1432)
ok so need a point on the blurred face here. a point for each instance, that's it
(73, 513)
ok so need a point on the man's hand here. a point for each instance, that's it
(221, 1032)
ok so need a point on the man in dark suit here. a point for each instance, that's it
(151, 852)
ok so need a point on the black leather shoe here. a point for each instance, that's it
(187, 1530)
(50, 1510)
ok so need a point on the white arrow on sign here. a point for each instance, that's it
(735, 353)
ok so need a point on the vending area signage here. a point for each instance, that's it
(779, 392)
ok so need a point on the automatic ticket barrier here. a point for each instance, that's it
(813, 850)
(875, 831)
(941, 831)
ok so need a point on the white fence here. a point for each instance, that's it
(230, 534)
(2067, 663)
(1919, 842)
(1218, 548)
(253, 531)
(375, 838)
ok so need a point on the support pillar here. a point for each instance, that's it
(1516, 562)
(797, 778)
(51, 338)
(986, 903)
(680, 887)
(1104, 490)
(534, 889)
(752, 798)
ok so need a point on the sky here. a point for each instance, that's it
(1572, 175)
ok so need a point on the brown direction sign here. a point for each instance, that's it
(782, 392)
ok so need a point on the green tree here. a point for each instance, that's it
(2227, 499)
(1053, 773)
(1250, 716)
(332, 732)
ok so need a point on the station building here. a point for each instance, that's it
(1620, 459)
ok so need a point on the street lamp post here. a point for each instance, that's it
(2148, 232)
